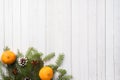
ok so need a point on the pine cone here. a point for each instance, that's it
(27, 78)
(22, 61)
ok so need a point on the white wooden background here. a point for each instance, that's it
(87, 31)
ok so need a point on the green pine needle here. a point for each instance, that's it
(29, 52)
(1, 68)
(6, 48)
(54, 67)
(19, 54)
(62, 72)
(33, 53)
(66, 77)
(49, 57)
(36, 56)
(60, 60)
(51, 65)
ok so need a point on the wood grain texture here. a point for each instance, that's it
(36, 24)
(101, 40)
(117, 38)
(16, 25)
(24, 25)
(59, 29)
(79, 40)
(110, 72)
(1, 25)
(8, 20)
(92, 41)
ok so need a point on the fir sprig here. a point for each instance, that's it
(66, 77)
(29, 52)
(6, 48)
(62, 72)
(60, 60)
(19, 54)
(48, 57)
(62, 75)
(32, 53)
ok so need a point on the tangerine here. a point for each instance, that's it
(46, 73)
(8, 57)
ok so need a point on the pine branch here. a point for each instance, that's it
(19, 54)
(51, 65)
(36, 56)
(33, 53)
(29, 52)
(1, 71)
(54, 67)
(60, 60)
(49, 57)
(62, 72)
(66, 77)
(36, 52)
(6, 48)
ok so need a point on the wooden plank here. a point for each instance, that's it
(92, 40)
(79, 40)
(8, 23)
(1, 25)
(117, 38)
(59, 29)
(101, 40)
(24, 24)
(36, 23)
(16, 25)
(109, 41)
